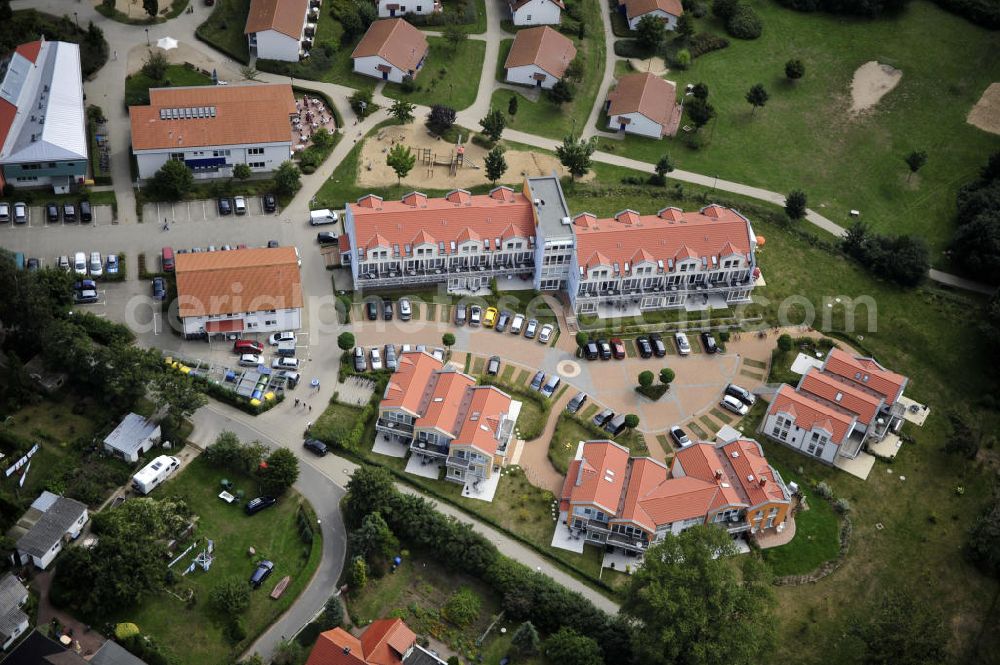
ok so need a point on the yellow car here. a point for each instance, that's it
(490, 318)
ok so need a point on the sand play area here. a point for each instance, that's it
(374, 172)
(135, 10)
(986, 113)
(871, 81)
(655, 66)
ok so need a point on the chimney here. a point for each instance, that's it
(347, 650)
(763, 481)
(718, 474)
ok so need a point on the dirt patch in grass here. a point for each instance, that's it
(871, 82)
(986, 113)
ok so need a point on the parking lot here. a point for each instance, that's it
(102, 216)
(203, 210)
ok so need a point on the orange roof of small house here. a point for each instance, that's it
(635, 8)
(645, 94)
(597, 476)
(383, 642)
(867, 372)
(809, 413)
(284, 16)
(543, 47)
(395, 41)
(406, 385)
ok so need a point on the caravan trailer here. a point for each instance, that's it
(154, 473)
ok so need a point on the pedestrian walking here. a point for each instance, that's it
(296, 401)
(310, 408)
(116, 54)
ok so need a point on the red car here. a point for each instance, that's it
(247, 346)
(617, 348)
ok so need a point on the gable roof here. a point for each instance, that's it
(635, 8)
(544, 47)
(284, 16)
(59, 513)
(406, 385)
(809, 413)
(517, 4)
(240, 280)
(643, 93)
(12, 594)
(441, 404)
(866, 372)
(484, 419)
(130, 433)
(112, 653)
(597, 475)
(837, 392)
(383, 642)
(219, 115)
(37, 649)
(758, 479)
(395, 41)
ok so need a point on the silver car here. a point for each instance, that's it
(531, 328)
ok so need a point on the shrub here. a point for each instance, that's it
(231, 596)
(744, 23)
(823, 490)
(645, 378)
(843, 506)
(462, 608)
(785, 343)
(236, 629)
(682, 59)
(408, 85)
(361, 103)
(724, 9)
(706, 42)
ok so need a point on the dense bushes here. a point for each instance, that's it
(976, 245)
(901, 259)
(870, 8)
(744, 23)
(981, 12)
(706, 42)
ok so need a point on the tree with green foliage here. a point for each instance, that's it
(667, 376)
(897, 629)
(632, 420)
(361, 103)
(664, 166)
(370, 489)
(287, 179)
(794, 69)
(359, 573)
(757, 96)
(699, 112)
(496, 164)
(441, 118)
(402, 160)
(462, 607)
(288, 652)
(455, 35)
(180, 394)
(582, 338)
(982, 543)
(683, 59)
(915, 160)
(562, 92)
(512, 106)
(575, 155)
(402, 111)
(649, 32)
(322, 139)
(6, 13)
(345, 341)
(744, 23)
(568, 646)
(646, 378)
(723, 9)
(689, 583)
(249, 73)
(333, 614)
(795, 204)
(525, 641)
(252, 660)
(448, 339)
(493, 124)
(373, 539)
(155, 66)
(242, 172)
(278, 472)
(230, 596)
(228, 452)
(151, 7)
(785, 343)
(685, 26)
(700, 91)
(172, 181)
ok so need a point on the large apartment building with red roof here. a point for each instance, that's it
(837, 408)
(445, 418)
(625, 504)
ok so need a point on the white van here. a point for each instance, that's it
(80, 263)
(320, 217)
(154, 473)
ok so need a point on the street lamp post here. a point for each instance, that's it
(76, 17)
(147, 37)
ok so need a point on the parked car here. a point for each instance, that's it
(387, 309)
(52, 212)
(63, 263)
(80, 263)
(85, 296)
(20, 213)
(460, 314)
(391, 362)
(490, 318)
(531, 329)
(371, 309)
(603, 417)
(262, 572)
(683, 346)
(84, 284)
(240, 205)
(225, 206)
(245, 345)
(605, 348)
(405, 309)
(285, 363)
(250, 360)
(708, 341)
(269, 203)
(590, 351)
(86, 214)
(69, 212)
(112, 264)
(517, 324)
(551, 385)
(315, 446)
(327, 238)
(96, 264)
(4, 211)
(617, 348)
(438, 353)
(659, 348)
(644, 346)
(734, 405)
(679, 436)
(291, 378)
(742, 394)
(360, 362)
(577, 402)
(545, 334)
(475, 315)
(376, 356)
(167, 259)
(502, 321)
(616, 425)
(321, 217)
(277, 338)
(160, 289)
(260, 503)
(493, 366)
(536, 383)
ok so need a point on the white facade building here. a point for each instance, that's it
(666, 10)
(536, 12)
(49, 522)
(390, 50)
(134, 436)
(645, 105)
(276, 29)
(539, 57)
(394, 8)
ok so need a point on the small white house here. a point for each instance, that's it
(50, 521)
(539, 57)
(535, 12)
(394, 8)
(13, 621)
(643, 104)
(391, 50)
(134, 436)
(275, 29)
(154, 473)
(666, 10)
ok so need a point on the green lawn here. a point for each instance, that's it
(545, 118)
(806, 135)
(198, 633)
(224, 28)
(570, 431)
(137, 85)
(450, 75)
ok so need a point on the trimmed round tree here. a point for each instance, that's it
(645, 378)
(667, 375)
(345, 341)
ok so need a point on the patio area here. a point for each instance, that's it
(484, 490)
(778, 536)
(618, 560)
(421, 466)
(312, 115)
(390, 448)
(859, 467)
(564, 539)
(887, 447)
(916, 412)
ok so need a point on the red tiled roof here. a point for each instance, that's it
(502, 213)
(808, 413)
(253, 113)
(395, 41)
(440, 408)
(384, 642)
(406, 386)
(29, 50)
(481, 419)
(867, 373)
(751, 469)
(841, 393)
(645, 475)
(667, 236)
(329, 649)
(679, 499)
(543, 47)
(240, 280)
(645, 94)
(599, 476)
(702, 461)
(635, 8)
(284, 16)
(7, 114)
